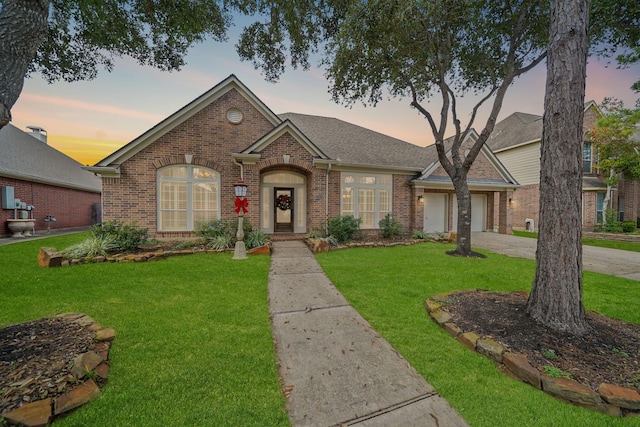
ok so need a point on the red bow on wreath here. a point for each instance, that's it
(242, 204)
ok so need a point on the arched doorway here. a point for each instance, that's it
(283, 202)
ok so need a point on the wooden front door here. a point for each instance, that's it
(283, 210)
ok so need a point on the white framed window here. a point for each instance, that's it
(366, 196)
(187, 195)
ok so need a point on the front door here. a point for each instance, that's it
(283, 213)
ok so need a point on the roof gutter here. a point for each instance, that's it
(104, 171)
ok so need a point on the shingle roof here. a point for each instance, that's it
(518, 128)
(27, 158)
(356, 145)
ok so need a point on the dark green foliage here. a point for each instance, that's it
(344, 228)
(220, 233)
(611, 223)
(628, 226)
(255, 239)
(126, 237)
(389, 226)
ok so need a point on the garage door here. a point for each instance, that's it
(435, 212)
(478, 212)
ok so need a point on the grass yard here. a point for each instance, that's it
(193, 341)
(612, 244)
(388, 286)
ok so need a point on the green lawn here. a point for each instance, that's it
(193, 344)
(612, 244)
(194, 347)
(388, 287)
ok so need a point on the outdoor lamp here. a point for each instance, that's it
(421, 199)
(240, 188)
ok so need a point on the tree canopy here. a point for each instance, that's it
(70, 40)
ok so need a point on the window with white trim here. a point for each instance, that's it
(187, 195)
(366, 196)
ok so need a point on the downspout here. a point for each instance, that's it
(241, 169)
(326, 201)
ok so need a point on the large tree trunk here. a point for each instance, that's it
(23, 27)
(463, 197)
(556, 297)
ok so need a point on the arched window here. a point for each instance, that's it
(187, 195)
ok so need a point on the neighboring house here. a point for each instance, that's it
(40, 176)
(183, 170)
(516, 141)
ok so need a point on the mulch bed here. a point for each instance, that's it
(609, 353)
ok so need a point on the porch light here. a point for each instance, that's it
(421, 199)
(240, 188)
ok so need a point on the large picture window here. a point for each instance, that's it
(187, 195)
(366, 196)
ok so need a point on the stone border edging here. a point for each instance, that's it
(51, 257)
(610, 399)
(321, 245)
(45, 411)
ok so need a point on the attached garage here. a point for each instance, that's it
(436, 212)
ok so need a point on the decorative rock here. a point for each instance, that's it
(452, 329)
(468, 339)
(34, 414)
(572, 391)
(76, 397)
(441, 317)
(102, 349)
(265, 250)
(49, 257)
(620, 396)
(85, 321)
(85, 362)
(106, 334)
(519, 365)
(102, 370)
(491, 349)
(432, 305)
(98, 259)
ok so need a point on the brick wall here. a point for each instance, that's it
(71, 208)
(210, 138)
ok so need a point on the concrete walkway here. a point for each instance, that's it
(614, 262)
(334, 367)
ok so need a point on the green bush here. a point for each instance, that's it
(219, 234)
(611, 225)
(389, 226)
(126, 237)
(344, 228)
(628, 226)
(255, 239)
(423, 235)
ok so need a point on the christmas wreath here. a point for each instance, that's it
(283, 202)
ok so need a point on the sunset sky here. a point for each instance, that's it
(90, 120)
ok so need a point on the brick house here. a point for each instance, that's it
(40, 176)
(183, 171)
(516, 141)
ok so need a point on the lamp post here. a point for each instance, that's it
(240, 188)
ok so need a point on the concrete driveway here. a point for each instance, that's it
(601, 260)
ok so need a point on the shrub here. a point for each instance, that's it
(628, 226)
(93, 246)
(611, 225)
(255, 239)
(389, 226)
(423, 235)
(221, 242)
(126, 237)
(344, 228)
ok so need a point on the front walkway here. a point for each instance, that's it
(334, 367)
